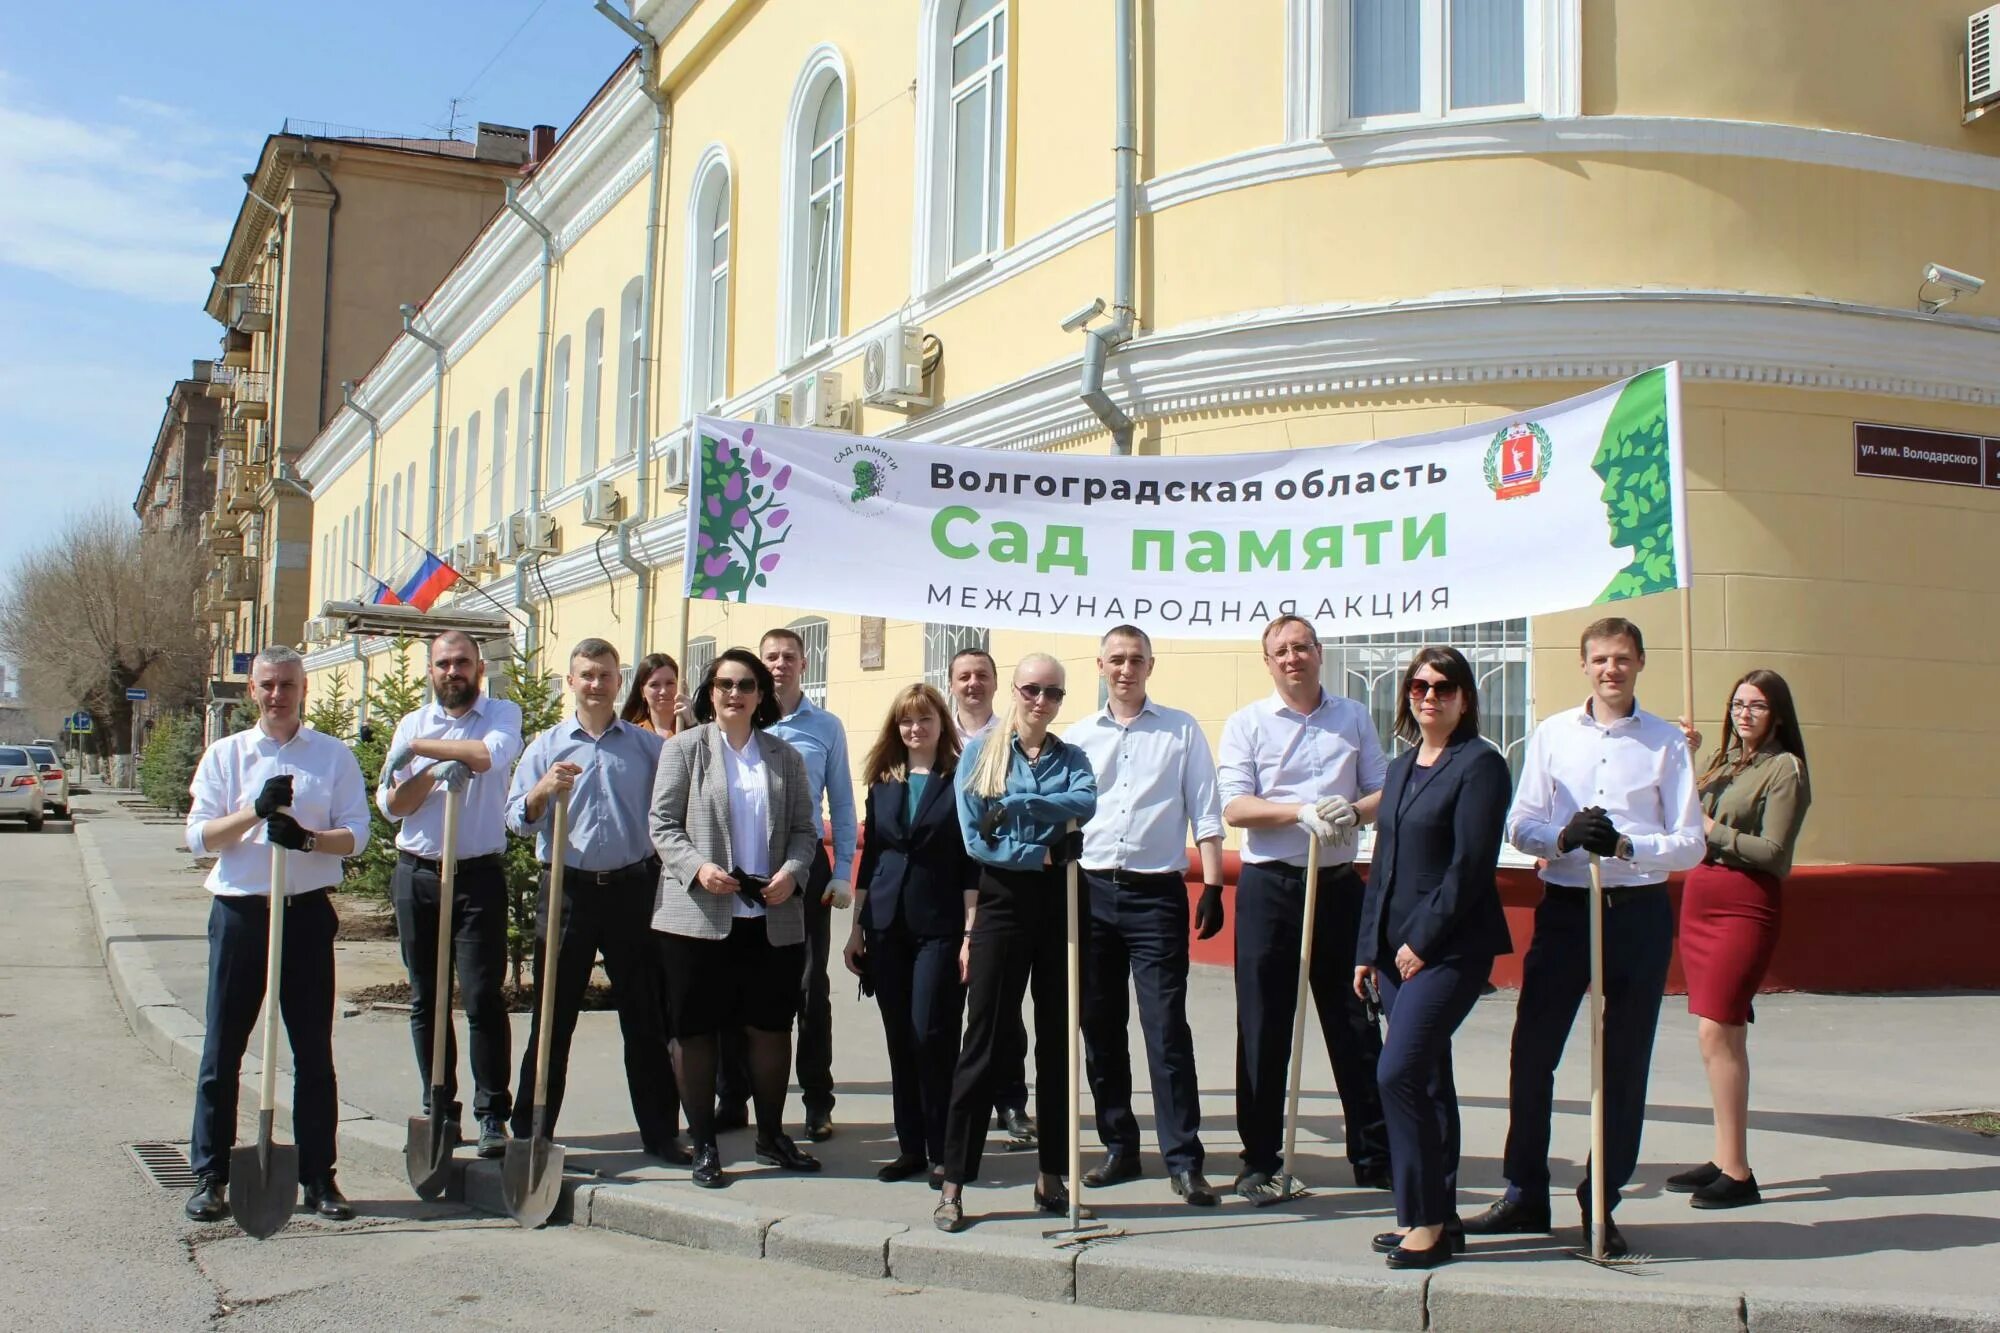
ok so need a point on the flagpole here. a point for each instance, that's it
(463, 578)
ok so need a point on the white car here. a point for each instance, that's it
(55, 782)
(21, 787)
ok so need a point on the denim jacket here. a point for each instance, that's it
(1043, 795)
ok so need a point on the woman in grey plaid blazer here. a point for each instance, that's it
(735, 832)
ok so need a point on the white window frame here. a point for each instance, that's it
(823, 67)
(700, 653)
(524, 439)
(466, 509)
(593, 393)
(496, 501)
(813, 634)
(625, 427)
(705, 322)
(557, 460)
(410, 511)
(936, 98)
(448, 503)
(1369, 669)
(944, 642)
(1317, 83)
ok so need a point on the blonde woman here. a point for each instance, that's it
(1018, 789)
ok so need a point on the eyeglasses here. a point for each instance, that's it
(1757, 709)
(1443, 689)
(735, 685)
(1036, 693)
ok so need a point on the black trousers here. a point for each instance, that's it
(1270, 913)
(1139, 931)
(813, 1057)
(919, 994)
(1020, 945)
(479, 961)
(613, 917)
(238, 943)
(1555, 977)
(1419, 1096)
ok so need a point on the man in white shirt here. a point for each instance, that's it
(1299, 765)
(461, 736)
(1155, 783)
(277, 784)
(1611, 780)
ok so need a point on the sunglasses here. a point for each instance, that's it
(737, 685)
(1036, 693)
(1442, 689)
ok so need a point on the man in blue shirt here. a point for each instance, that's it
(821, 741)
(604, 768)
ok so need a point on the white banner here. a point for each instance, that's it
(1580, 503)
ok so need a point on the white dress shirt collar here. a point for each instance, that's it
(1155, 781)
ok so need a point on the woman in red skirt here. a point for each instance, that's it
(1754, 798)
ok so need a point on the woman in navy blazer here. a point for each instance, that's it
(1431, 925)
(909, 914)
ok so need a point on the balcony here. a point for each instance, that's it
(232, 437)
(221, 380)
(245, 481)
(250, 307)
(218, 537)
(236, 348)
(238, 578)
(253, 395)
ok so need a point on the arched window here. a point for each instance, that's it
(496, 498)
(962, 131)
(816, 208)
(392, 536)
(379, 555)
(705, 380)
(558, 446)
(593, 386)
(631, 371)
(448, 506)
(471, 474)
(412, 524)
(524, 418)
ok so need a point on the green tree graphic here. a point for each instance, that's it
(1637, 467)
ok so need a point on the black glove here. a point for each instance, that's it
(1208, 912)
(284, 831)
(1066, 848)
(277, 794)
(989, 823)
(1591, 829)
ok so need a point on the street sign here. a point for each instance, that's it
(240, 663)
(79, 721)
(135, 695)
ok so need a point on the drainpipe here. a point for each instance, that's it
(1098, 344)
(409, 313)
(642, 429)
(367, 527)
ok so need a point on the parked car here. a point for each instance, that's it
(21, 787)
(55, 782)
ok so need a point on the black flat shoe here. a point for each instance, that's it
(1454, 1233)
(902, 1168)
(1192, 1186)
(819, 1127)
(1692, 1179)
(1507, 1218)
(1439, 1253)
(708, 1167)
(210, 1201)
(323, 1198)
(1614, 1239)
(1115, 1168)
(669, 1152)
(780, 1151)
(1260, 1188)
(1056, 1202)
(1725, 1191)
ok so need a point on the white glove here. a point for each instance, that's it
(395, 764)
(451, 774)
(840, 893)
(1310, 820)
(1339, 812)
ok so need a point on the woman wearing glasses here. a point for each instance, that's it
(1431, 926)
(1753, 799)
(736, 837)
(1019, 787)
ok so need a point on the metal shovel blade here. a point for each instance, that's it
(427, 1154)
(531, 1179)
(263, 1186)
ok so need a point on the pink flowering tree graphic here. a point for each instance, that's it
(742, 518)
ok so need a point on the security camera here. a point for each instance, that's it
(1964, 284)
(1084, 316)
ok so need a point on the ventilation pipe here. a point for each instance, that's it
(642, 429)
(409, 313)
(1099, 343)
(367, 528)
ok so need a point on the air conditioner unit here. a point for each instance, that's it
(602, 505)
(775, 410)
(820, 402)
(892, 369)
(507, 538)
(532, 533)
(483, 559)
(1982, 72)
(674, 463)
(461, 557)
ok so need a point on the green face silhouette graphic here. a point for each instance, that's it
(1636, 464)
(867, 481)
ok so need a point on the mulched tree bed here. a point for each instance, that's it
(518, 1001)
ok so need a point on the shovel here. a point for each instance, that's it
(1289, 1187)
(427, 1147)
(264, 1180)
(1081, 1227)
(1599, 1210)
(531, 1173)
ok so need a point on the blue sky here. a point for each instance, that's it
(124, 137)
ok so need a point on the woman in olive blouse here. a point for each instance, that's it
(1754, 798)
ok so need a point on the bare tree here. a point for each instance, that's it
(103, 607)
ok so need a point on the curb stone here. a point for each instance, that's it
(1010, 1265)
(1809, 1310)
(1249, 1288)
(859, 1246)
(1463, 1298)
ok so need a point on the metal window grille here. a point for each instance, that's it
(812, 632)
(1369, 668)
(944, 642)
(701, 652)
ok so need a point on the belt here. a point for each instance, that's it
(490, 859)
(1627, 893)
(1137, 877)
(1290, 871)
(650, 866)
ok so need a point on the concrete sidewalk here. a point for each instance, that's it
(1870, 1221)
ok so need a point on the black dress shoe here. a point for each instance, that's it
(1439, 1253)
(731, 1115)
(1726, 1191)
(1115, 1168)
(210, 1201)
(1020, 1130)
(1614, 1239)
(1507, 1218)
(669, 1152)
(492, 1138)
(779, 1150)
(819, 1126)
(1454, 1232)
(905, 1166)
(324, 1198)
(1260, 1187)
(1192, 1186)
(1056, 1201)
(1692, 1179)
(708, 1167)
(1372, 1176)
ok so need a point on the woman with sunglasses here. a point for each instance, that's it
(654, 701)
(736, 838)
(1019, 787)
(1431, 925)
(1753, 799)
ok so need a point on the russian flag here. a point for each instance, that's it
(384, 594)
(429, 583)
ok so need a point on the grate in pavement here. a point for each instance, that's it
(165, 1163)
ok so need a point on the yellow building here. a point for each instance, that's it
(1350, 219)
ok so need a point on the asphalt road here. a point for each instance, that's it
(88, 1242)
